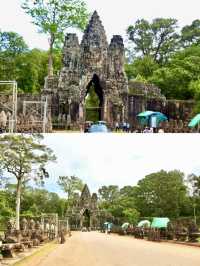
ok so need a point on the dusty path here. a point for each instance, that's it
(97, 249)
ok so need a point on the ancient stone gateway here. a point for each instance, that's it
(92, 83)
(85, 212)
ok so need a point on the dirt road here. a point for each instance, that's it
(97, 249)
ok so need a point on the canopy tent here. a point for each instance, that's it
(160, 222)
(144, 223)
(125, 225)
(145, 117)
(195, 121)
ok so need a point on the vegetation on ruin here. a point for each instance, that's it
(159, 52)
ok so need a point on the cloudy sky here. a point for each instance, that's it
(116, 16)
(120, 160)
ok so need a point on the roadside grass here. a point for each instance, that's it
(37, 255)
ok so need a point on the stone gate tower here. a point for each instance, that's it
(85, 212)
(91, 64)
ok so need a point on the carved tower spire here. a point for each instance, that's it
(94, 46)
(94, 35)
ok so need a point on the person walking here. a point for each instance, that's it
(62, 237)
(116, 126)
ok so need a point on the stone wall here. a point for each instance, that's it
(175, 110)
(28, 122)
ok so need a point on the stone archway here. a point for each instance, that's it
(94, 100)
(86, 219)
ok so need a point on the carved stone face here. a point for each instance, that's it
(32, 224)
(24, 224)
(81, 61)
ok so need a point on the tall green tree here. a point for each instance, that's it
(190, 34)
(53, 17)
(143, 66)
(119, 203)
(158, 38)
(161, 194)
(194, 188)
(12, 43)
(176, 76)
(24, 157)
(71, 185)
(109, 193)
(36, 201)
(12, 46)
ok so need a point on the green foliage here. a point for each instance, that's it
(34, 202)
(190, 34)
(157, 39)
(167, 59)
(19, 156)
(37, 201)
(143, 66)
(131, 216)
(12, 47)
(175, 78)
(24, 157)
(27, 67)
(7, 205)
(92, 101)
(194, 86)
(161, 194)
(119, 203)
(71, 185)
(12, 44)
(53, 17)
(109, 194)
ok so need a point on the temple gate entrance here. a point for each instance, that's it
(94, 100)
(86, 219)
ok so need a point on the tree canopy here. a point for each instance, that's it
(166, 56)
(157, 39)
(24, 158)
(53, 17)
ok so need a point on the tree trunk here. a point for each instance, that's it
(18, 201)
(50, 65)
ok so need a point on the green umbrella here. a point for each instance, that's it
(125, 225)
(144, 223)
(160, 222)
(144, 117)
(195, 121)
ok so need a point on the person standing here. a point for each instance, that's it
(124, 126)
(117, 126)
(127, 127)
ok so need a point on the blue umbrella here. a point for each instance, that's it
(144, 117)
